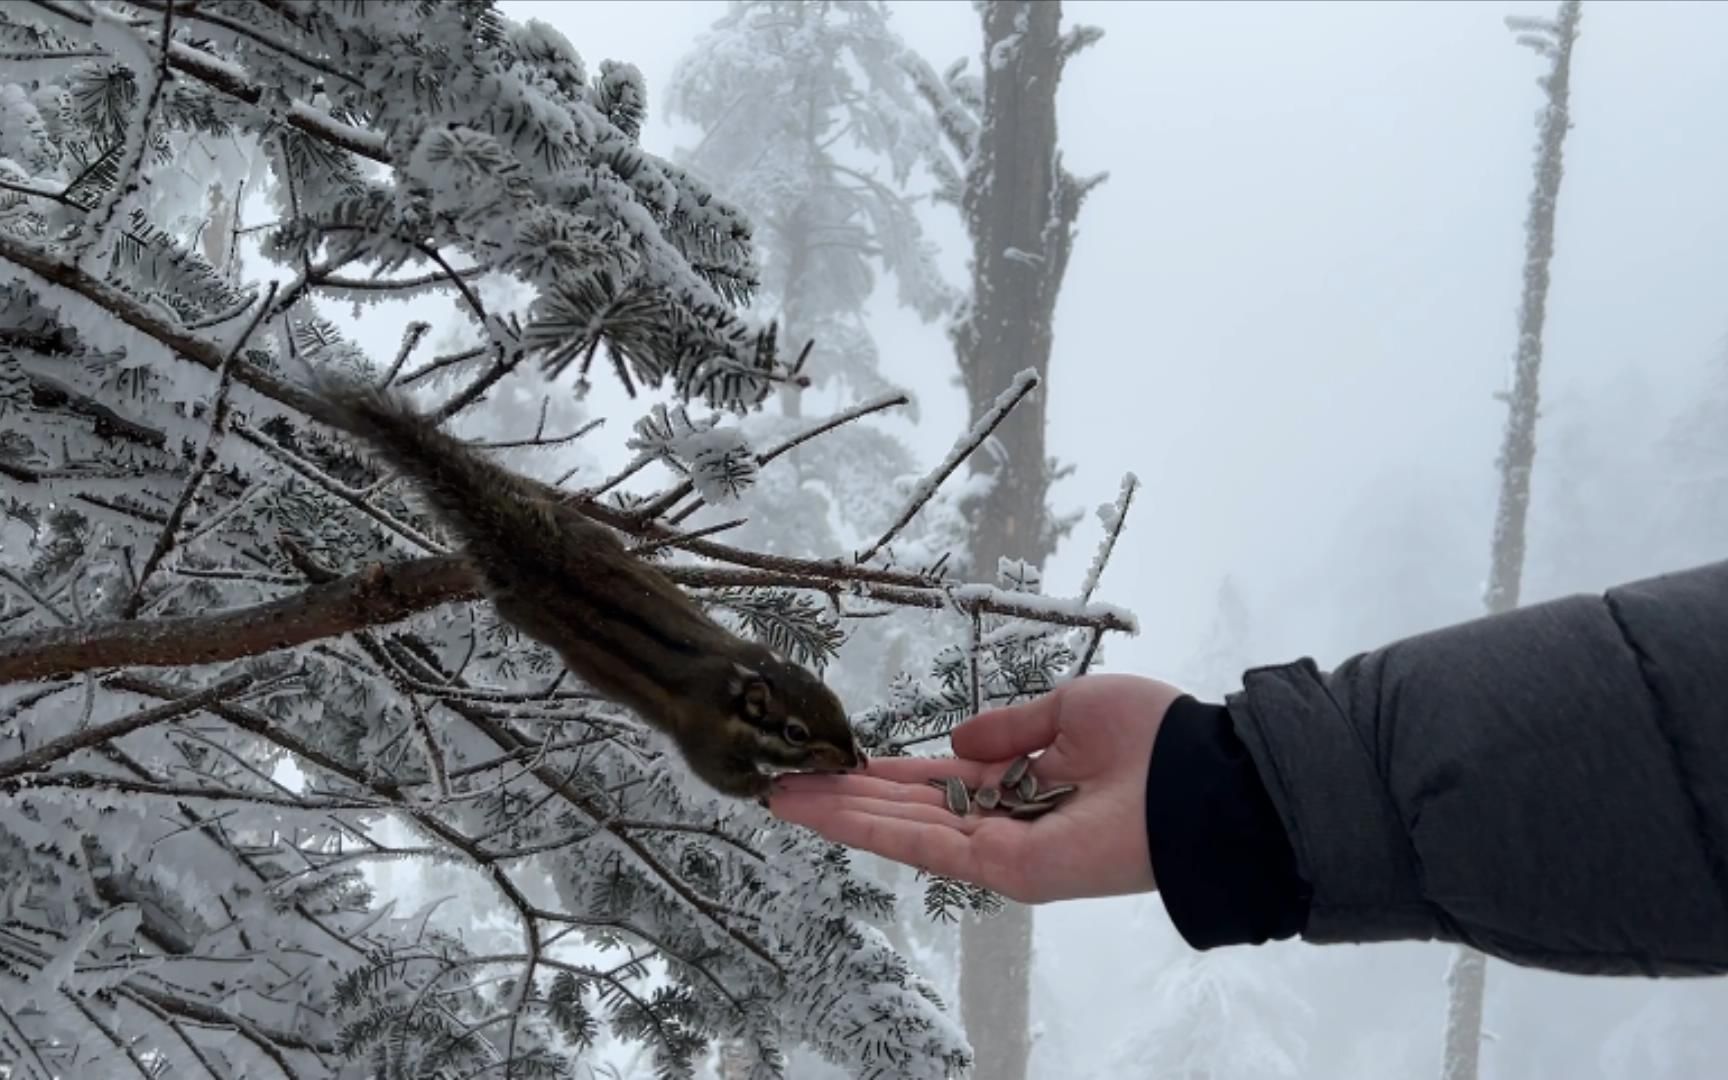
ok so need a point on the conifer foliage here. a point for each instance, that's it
(239, 666)
(800, 103)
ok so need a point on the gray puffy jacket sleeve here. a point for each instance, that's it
(1549, 786)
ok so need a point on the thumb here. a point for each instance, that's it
(1009, 732)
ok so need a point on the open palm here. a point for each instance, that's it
(1096, 732)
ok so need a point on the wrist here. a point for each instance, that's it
(1220, 855)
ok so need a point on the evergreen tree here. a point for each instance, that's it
(234, 656)
(802, 106)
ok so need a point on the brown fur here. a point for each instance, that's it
(618, 623)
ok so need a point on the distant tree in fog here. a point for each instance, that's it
(1552, 39)
(810, 125)
(1696, 481)
(1020, 206)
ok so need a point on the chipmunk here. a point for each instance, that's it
(737, 711)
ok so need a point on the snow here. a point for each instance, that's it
(323, 124)
(1067, 611)
(1112, 516)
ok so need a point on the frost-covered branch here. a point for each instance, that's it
(231, 80)
(387, 593)
(115, 33)
(959, 122)
(53, 271)
(54, 750)
(676, 494)
(1113, 516)
(963, 448)
(382, 595)
(166, 539)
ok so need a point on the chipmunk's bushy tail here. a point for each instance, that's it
(489, 508)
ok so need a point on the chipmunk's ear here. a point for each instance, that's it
(750, 690)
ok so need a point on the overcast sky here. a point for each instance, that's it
(1289, 308)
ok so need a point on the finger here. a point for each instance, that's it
(856, 785)
(813, 810)
(1009, 732)
(916, 770)
(936, 849)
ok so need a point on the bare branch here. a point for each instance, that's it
(34, 192)
(649, 546)
(439, 363)
(376, 596)
(66, 745)
(89, 781)
(539, 440)
(1022, 385)
(1117, 517)
(411, 336)
(168, 534)
(662, 503)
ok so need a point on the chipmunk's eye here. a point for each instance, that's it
(796, 733)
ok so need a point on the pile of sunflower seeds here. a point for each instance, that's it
(1017, 793)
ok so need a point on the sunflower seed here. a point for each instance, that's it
(987, 797)
(1015, 772)
(1031, 810)
(959, 799)
(1027, 788)
(1050, 795)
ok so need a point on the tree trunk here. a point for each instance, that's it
(1467, 980)
(1019, 206)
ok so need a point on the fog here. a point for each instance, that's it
(1288, 312)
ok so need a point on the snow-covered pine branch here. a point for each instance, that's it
(241, 685)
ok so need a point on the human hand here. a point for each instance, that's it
(1096, 732)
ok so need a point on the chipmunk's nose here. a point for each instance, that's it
(840, 758)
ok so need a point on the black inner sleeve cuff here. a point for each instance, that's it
(1221, 857)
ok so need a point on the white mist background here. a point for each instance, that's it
(1288, 311)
